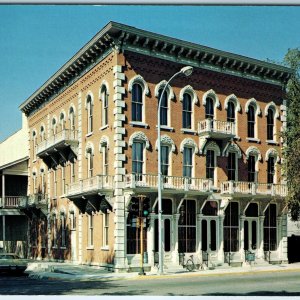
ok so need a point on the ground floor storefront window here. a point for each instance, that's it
(231, 228)
(270, 230)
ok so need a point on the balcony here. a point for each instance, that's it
(59, 147)
(13, 201)
(243, 188)
(169, 183)
(216, 129)
(93, 185)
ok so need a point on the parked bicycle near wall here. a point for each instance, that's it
(190, 265)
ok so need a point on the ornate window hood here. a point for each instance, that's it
(122, 37)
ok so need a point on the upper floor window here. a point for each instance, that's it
(251, 121)
(137, 157)
(187, 111)
(42, 133)
(89, 106)
(210, 164)
(104, 159)
(187, 161)
(232, 166)
(104, 98)
(209, 108)
(137, 103)
(54, 126)
(90, 162)
(62, 121)
(165, 154)
(164, 108)
(252, 169)
(231, 112)
(270, 125)
(34, 142)
(271, 169)
(72, 118)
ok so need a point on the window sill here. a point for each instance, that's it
(166, 128)
(89, 134)
(105, 248)
(103, 127)
(272, 142)
(63, 248)
(54, 247)
(253, 140)
(186, 130)
(90, 248)
(138, 124)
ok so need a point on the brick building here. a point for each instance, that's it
(93, 150)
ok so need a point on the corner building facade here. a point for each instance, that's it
(93, 149)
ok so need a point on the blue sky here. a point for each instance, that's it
(36, 40)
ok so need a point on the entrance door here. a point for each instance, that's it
(250, 234)
(166, 237)
(209, 237)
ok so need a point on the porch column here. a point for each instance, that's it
(221, 236)
(242, 235)
(175, 238)
(261, 237)
(3, 205)
(150, 239)
(279, 237)
(199, 234)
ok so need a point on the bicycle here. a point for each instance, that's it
(190, 264)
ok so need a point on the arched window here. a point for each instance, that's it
(34, 143)
(231, 112)
(251, 121)
(90, 161)
(72, 118)
(164, 108)
(271, 169)
(104, 98)
(62, 121)
(209, 108)
(42, 133)
(270, 125)
(89, 107)
(54, 126)
(138, 157)
(187, 111)
(187, 162)
(210, 164)
(137, 103)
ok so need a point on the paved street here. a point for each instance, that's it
(284, 283)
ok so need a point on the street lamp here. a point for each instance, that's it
(187, 71)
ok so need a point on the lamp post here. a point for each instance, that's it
(187, 71)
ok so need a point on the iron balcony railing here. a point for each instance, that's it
(136, 180)
(64, 135)
(253, 188)
(99, 182)
(209, 126)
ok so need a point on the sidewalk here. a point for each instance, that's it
(69, 271)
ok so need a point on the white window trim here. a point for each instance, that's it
(194, 98)
(213, 146)
(273, 107)
(233, 98)
(257, 112)
(89, 108)
(213, 95)
(104, 84)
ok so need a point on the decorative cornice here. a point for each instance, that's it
(119, 37)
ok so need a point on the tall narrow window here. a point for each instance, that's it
(90, 162)
(209, 108)
(55, 183)
(72, 119)
(105, 228)
(54, 127)
(187, 227)
(34, 144)
(91, 230)
(270, 125)
(163, 108)
(72, 171)
(105, 159)
(231, 228)
(187, 111)
(63, 231)
(231, 166)
(63, 180)
(89, 114)
(42, 133)
(62, 121)
(187, 161)
(137, 157)
(42, 171)
(165, 160)
(270, 232)
(251, 169)
(251, 121)
(34, 181)
(230, 112)
(210, 164)
(54, 222)
(137, 103)
(104, 98)
(271, 169)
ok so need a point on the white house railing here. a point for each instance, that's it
(135, 180)
(216, 126)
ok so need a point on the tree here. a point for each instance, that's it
(291, 136)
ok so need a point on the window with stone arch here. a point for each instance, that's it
(42, 133)
(232, 106)
(253, 156)
(34, 143)
(89, 108)
(211, 102)
(104, 107)
(253, 110)
(104, 146)
(139, 142)
(272, 158)
(188, 148)
(72, 118)
(90, 159)
(271, 113)
(62, 121)
(54, 126)
(188, 98)
(233, 154)
(139, 89)
(211, 152)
